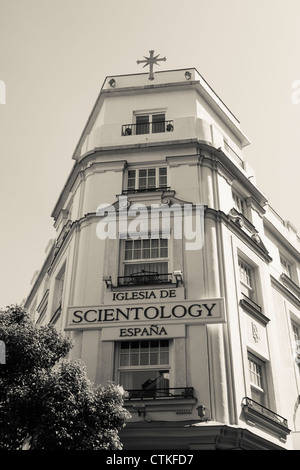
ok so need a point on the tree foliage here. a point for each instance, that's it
(46, 401)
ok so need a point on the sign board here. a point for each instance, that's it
(149, 331)
(135, 314)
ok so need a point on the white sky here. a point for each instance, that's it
(54, 57)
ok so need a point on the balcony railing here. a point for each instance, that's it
(145, 278)
(147, 128)
(250, 404)
(144, 190)
(139, 394)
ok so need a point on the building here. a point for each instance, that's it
(171, 272)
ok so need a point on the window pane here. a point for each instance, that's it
(162, 177)
(140, 352)
(146, 243)
(142, 183)
(158, 123)
(151, 182)
(124, 360)
(258, 396)
(128, 250)
(134, 359)
(158, 117)
(154, 358)
(144, 360)
(164, 358)
(142, 124)
(245, 273)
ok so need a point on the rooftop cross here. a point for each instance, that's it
(152, 60)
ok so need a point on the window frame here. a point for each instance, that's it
(145, 262)
(295, 329)
(250, 287)
(130, 368)
(150, 124)
(256, 389)
(136, 179)
(239, 202)
(286, 266)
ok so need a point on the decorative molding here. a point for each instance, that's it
(252, 241)
(191, 160)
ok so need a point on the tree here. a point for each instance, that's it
(46, 401)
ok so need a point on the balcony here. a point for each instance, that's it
(257, 414)
(147, 128)
(157, 393)
(144, 278)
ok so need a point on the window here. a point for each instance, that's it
(285, 266)
(246, 279)
(42, 307)
(147, 122)
(239, 203)
(144, 365)
(146, 179)
(296, 342)
(257, 380)
(58, 298)
(145, 261)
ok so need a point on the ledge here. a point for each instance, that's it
(254, 310)
(287, 281)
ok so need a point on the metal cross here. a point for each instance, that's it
(152, 60)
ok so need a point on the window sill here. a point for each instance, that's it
(257, 414)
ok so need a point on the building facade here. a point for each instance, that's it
(172, 274)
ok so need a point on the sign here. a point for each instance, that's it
(149, 331)
(182, 311)
(144, 295)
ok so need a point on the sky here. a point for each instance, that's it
(54, 57)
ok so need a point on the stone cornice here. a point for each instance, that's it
(254, 242)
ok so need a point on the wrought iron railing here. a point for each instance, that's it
(144, 190)
(147, 128)
(262, 410)
(144, 278)
(155, 393)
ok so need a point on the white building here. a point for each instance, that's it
(200, 326)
